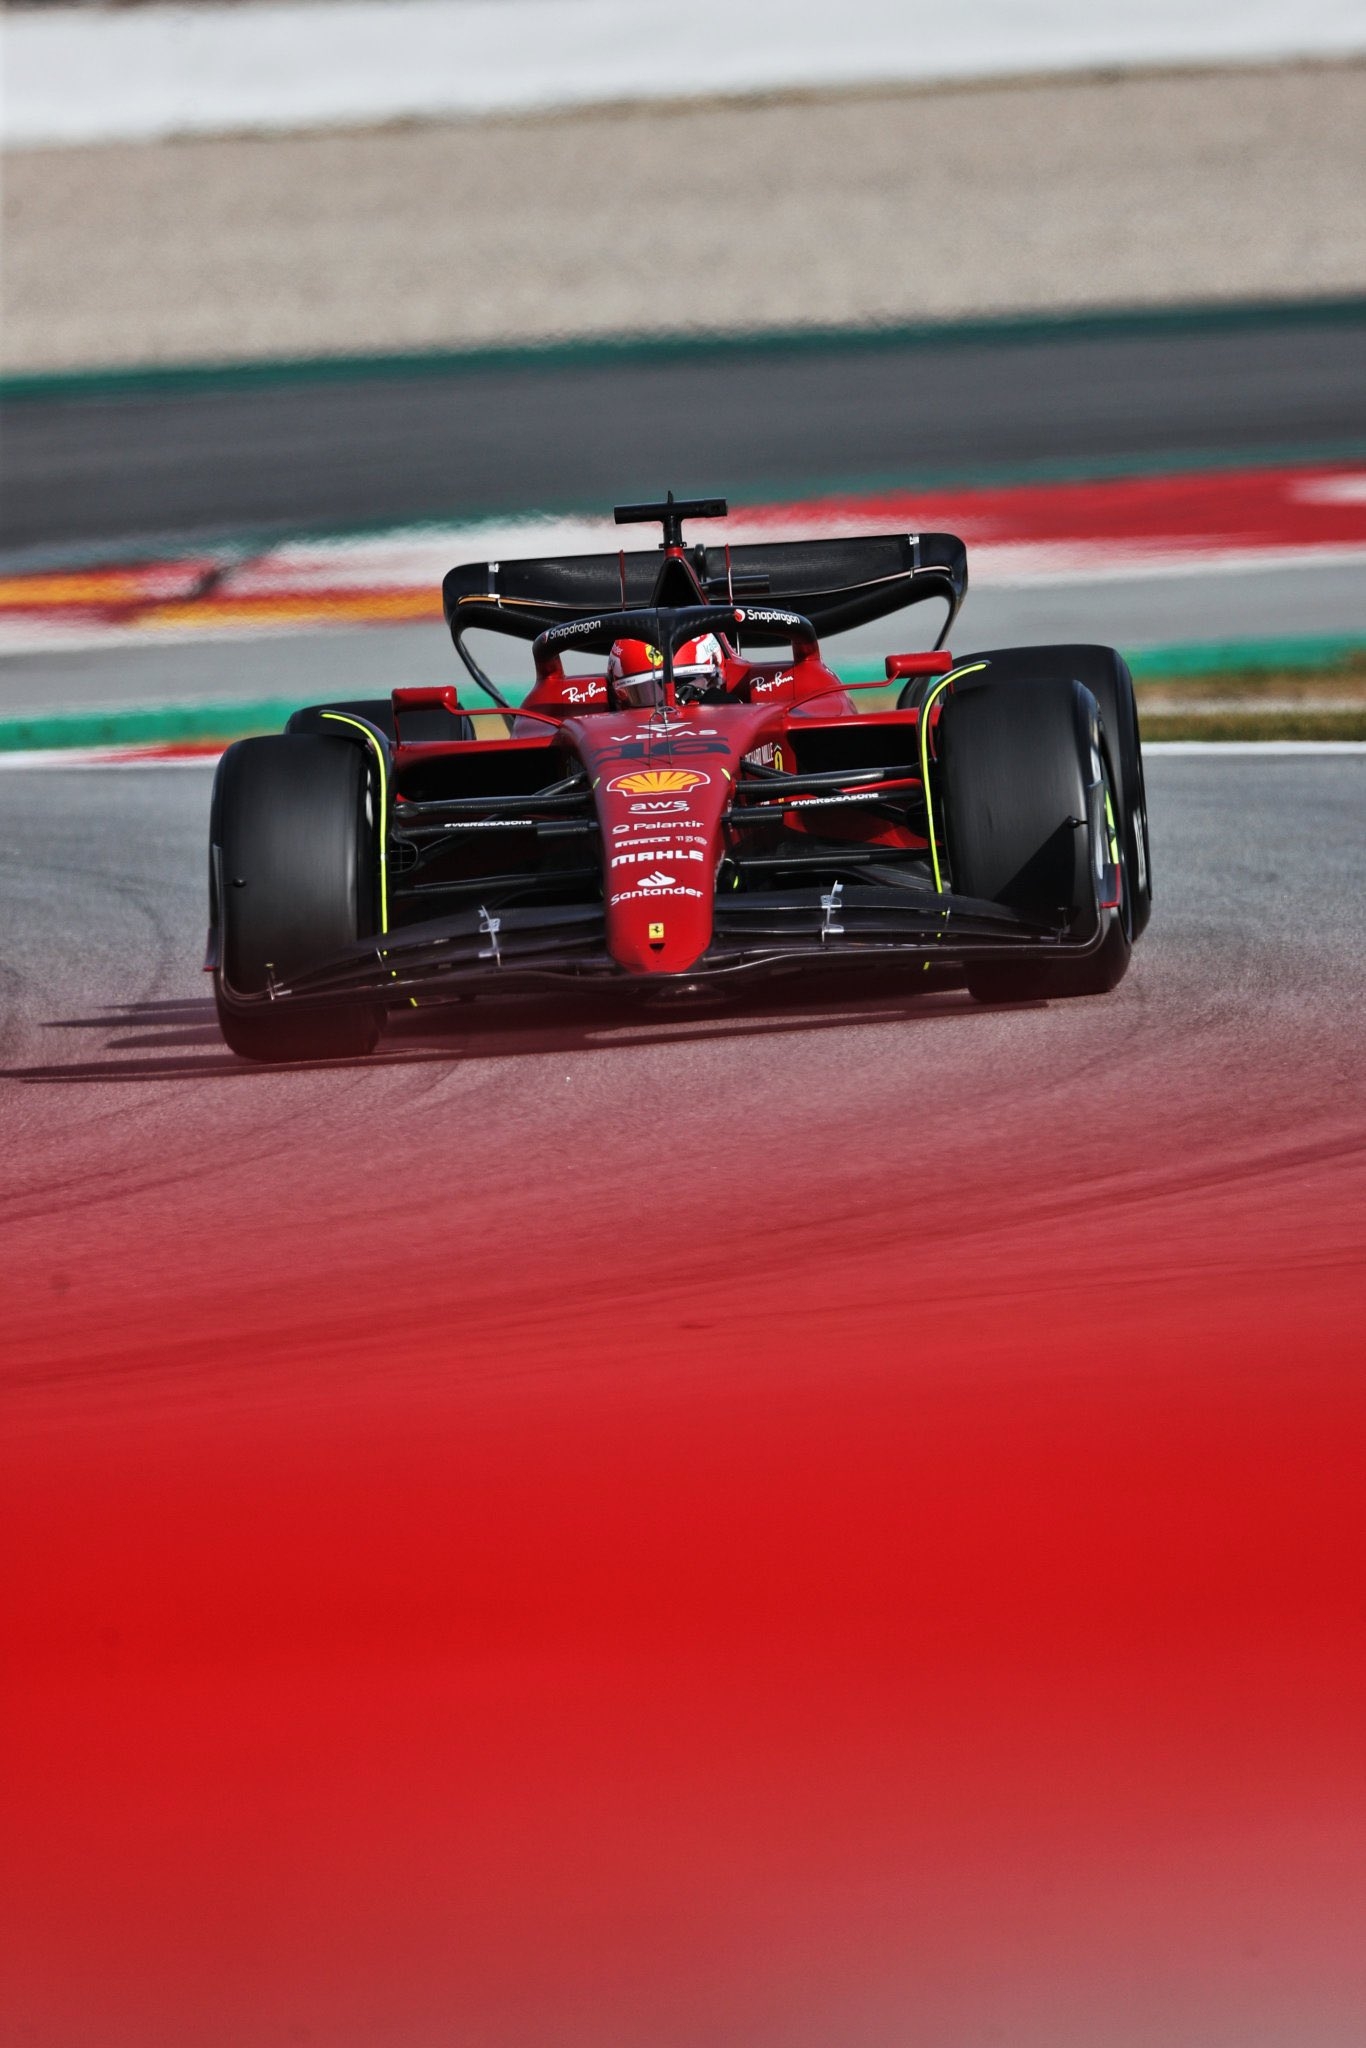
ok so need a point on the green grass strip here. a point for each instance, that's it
(156, 725)
(171, 725)
(614, 350)
(1198, 660)
(1249, 724)
(1244, 657)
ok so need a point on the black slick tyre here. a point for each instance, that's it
(293, 867)
(1013, 774)
(1105, 673)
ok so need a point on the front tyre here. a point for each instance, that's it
(1106, 675)
(293, 863)
(1015, 762)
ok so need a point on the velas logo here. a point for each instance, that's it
(657, 781)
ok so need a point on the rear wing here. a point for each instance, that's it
(837, 584)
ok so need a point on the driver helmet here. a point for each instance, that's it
(635, 670)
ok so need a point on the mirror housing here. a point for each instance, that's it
(936, 661)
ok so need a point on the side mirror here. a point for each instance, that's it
(445, 697)
(936, 662)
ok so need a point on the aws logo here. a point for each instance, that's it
(657, 781)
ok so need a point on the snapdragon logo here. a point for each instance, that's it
(766, 618)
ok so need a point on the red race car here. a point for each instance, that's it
(704, 803)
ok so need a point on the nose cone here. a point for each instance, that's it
(661, 781)
(661, 831)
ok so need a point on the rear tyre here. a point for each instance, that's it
(1014, 774)
(293, 862)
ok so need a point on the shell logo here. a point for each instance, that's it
(658, 781)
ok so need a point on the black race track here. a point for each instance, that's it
(579, 430)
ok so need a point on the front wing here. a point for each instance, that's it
(488, 950)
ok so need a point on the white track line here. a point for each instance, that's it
(83, 757)
(1236, 749)
(116, 74)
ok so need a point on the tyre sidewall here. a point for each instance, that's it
(296, 867)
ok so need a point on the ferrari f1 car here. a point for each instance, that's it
(696, 800)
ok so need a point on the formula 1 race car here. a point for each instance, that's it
(704, 805)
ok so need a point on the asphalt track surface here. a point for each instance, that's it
(339, 451)
(779, 1524)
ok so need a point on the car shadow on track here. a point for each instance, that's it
(176, 1040)
(181, 1041)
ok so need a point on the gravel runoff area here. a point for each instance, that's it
(867, 207)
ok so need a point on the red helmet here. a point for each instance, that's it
(635, 669)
